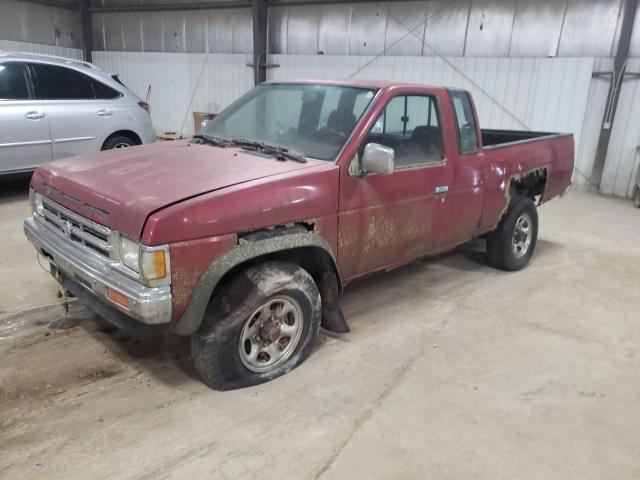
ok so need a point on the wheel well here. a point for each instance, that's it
(531, 185)
(126, 133)
(315, 260)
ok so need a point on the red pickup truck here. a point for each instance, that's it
(244, 236)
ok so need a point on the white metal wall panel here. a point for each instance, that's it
(173, 77)
(542, 93)
(11, 46)
(622, 160)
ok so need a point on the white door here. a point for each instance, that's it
(25, 139)
(79, 121)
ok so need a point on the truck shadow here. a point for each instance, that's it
(165, 358)
(10, 190)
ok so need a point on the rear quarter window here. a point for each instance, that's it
(102, 91)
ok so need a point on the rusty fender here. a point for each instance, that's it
(251, 246)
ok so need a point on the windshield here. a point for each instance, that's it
(313, 120)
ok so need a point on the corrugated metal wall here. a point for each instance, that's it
(173, 78)
(489, 28)
(215, 31)
(36, 23)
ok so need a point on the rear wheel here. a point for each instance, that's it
(261, 325)
(118, 141)
(511, 244)
(636, 197)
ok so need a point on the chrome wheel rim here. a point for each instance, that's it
(271, 334)
(522, 235)
(121, 145)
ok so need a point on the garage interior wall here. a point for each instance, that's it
(528, 64)
(36, 28)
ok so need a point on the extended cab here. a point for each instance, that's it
(244, 235)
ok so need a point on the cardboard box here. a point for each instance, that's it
(200, 119)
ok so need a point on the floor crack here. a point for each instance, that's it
(398, 377)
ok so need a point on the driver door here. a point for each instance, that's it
(388, 220)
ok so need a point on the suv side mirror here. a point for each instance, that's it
(378, 159)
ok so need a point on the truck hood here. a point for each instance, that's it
(121, 188)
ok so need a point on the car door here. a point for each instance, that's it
(79, 121)
(25, 140)
(469, 189)
(388, 220)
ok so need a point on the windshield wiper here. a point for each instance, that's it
(278, 151)
(211, 139)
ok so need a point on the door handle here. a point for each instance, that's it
(105, 112)
(34, 115)
(440, 189)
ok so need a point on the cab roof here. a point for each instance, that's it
(378, 84)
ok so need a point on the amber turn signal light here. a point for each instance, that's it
(118, 298)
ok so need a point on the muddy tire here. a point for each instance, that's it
(262, 324)
(511, 244)
(636, 196)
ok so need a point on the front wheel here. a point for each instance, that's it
(636, 196)
(511, 244)
(261, 325)
(118, 141)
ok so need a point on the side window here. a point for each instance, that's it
(14, 82)
(102, 91)
(465, 122)
(61, 83)
(410, 124)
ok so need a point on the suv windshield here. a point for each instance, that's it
(314, 120)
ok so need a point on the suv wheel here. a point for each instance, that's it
(261, 325)
(511, 244)
(118, 141)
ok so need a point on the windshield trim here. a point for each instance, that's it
(376, 93)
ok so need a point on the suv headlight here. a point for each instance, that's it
(37, 208)
(150, 263)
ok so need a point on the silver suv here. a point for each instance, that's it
(54, 107)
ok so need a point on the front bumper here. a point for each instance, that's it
(93, 275)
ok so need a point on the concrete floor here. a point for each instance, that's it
(452, 371)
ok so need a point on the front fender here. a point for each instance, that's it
(250, 247)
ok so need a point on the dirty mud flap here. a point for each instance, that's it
(332, 317)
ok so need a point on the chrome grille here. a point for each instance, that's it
(76, 228)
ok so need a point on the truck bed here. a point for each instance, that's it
(496, 138)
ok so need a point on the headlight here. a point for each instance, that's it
(129, 253)
(37, 208)
(151, 263)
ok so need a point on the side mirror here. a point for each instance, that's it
(378, 159)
